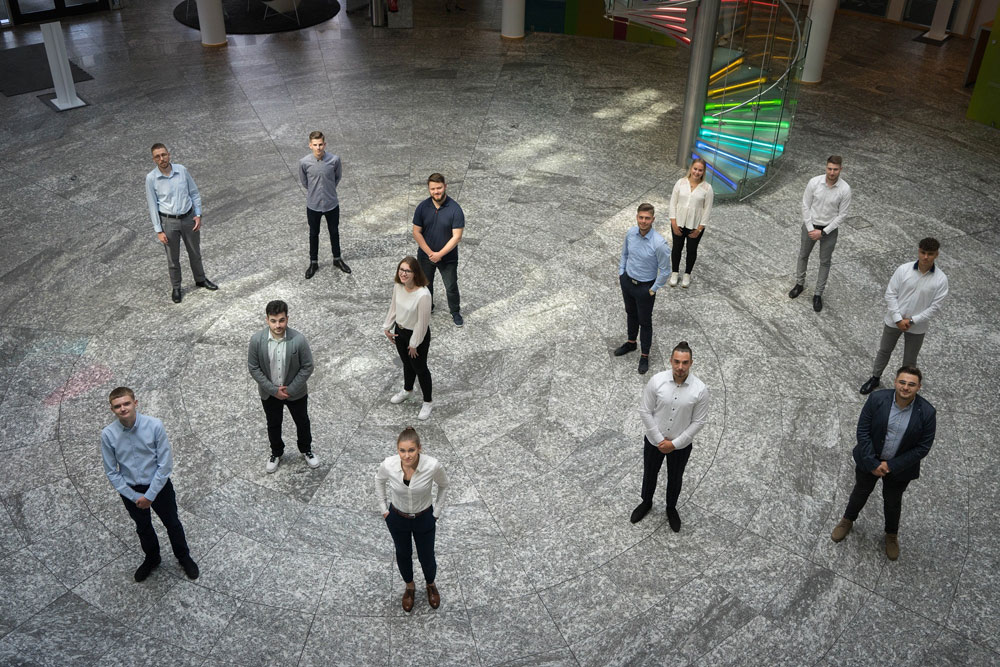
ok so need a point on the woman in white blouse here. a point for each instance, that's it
(412, 515)
(690, 209)
(410, 312)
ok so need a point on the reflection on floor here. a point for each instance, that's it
(549, 145)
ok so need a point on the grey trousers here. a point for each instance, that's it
(175, 231)
(890, 336)
(827, 243)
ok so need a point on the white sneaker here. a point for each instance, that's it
(272, 464)
(400, 396)
(673, 279)
(425, 411)
(311, 459)
(687, 280)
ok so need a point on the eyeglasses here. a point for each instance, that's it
(405, 271)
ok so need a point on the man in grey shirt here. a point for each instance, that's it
(319, 173)
(280, 361)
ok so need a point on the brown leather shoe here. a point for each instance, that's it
(891, 546)
(841, 530)
(433, 597)
(408, 596)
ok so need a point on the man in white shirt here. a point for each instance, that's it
(673, 408)
(912, 297)
(824, 206)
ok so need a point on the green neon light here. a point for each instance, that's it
(711, 120)
(730, 105)
(753, 149)
(740, 141)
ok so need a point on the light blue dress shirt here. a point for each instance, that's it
(175, 194)
(137, 455)
(899, 419)
(645, 258)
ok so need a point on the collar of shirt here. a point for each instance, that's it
(916, 267)
(160, 174)
(651, 235)
(421, 465)
(270, 336)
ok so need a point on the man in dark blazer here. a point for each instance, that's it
(895, 430)
(280, 361)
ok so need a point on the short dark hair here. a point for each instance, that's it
(835, 159)
(276, 307)
(911, 370)
(419, 277)
(118, 392)
(155, 146)
(316, 134)
(409, 434)
(643, 207)
(929, 244)
(435, 178)
(682, 347)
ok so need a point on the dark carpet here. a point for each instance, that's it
(241, 22)
(25, 69)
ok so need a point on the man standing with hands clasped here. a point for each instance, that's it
(438, 225)
(673, 408)
(175, 209)
(319, 173)
(895, 431)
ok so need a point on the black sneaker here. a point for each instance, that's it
(190, 568)
(817, 303)
(457, 319)
(144, 570)
(639, 512)
(674, 519)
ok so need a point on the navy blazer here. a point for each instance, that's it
(916, 442)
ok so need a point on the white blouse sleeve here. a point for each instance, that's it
(441, 479)
(423, 318)
(381, 479)
(709, 199)
(390, 317)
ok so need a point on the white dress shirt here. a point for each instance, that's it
(674, 412)
(824, 205)
(415, 497)
(691, 208)
(410, 310)
(915, 295)
(276, 355)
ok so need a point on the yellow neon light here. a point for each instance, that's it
(736, 86)
(725, 69)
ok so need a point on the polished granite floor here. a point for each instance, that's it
(549, 144)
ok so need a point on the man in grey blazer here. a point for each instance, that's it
(280, 361)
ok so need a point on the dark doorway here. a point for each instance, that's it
(31, 11)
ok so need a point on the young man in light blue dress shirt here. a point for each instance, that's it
(175, 209)
(138, 462)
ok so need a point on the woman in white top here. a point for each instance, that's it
(411, 515)
(690, 209)
(410, 312)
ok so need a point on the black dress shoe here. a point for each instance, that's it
(208, 284)
(311, 271)
(640, 511)
(817, 303)
(795, 291)
(674, 519)
(148, 565)
(870, 386)
(190, 568)
(177, 295)
(625, 348)
(342, 265)
(643, 364)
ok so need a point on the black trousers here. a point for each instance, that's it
(165, 506)
(638, 310)
(892, 497)
(274, 411)
(678, 249)
(332, 225)
(652, 459)
(449, 274)
(414, 367)
(407, 531)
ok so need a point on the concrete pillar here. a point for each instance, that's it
(699, 68)
(821, 16)
(939, 24)
(62, 75)
(512, 19)
(212, 23)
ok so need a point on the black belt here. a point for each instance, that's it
(639, 282)
(406, 515)
(176, 217)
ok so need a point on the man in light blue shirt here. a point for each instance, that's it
(642, 270)
(138, 462)
(175, 209)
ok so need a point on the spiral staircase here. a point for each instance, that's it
(745, 94)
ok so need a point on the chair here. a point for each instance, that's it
(283, 7)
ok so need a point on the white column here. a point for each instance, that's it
(62, 75)
(821, 15)
(211, 22)
(512, 19)
(939, 24)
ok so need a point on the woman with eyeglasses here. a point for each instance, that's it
(408, 325)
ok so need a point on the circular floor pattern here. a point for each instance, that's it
(253, 17)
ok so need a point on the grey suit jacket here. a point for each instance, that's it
(298, 364)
